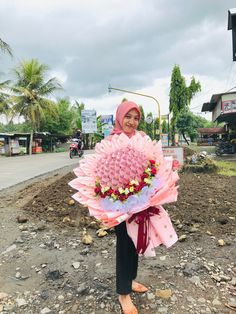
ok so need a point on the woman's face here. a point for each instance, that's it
(131, 121)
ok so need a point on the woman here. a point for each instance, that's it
(120, 192)
(127, 120)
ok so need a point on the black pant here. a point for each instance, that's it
(126, 260)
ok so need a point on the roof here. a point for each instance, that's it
(209, 106)
(14, 134)
(211, 130)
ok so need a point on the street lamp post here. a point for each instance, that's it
(144, 95)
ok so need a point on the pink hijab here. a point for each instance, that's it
(121, 111)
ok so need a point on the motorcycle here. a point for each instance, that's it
(224, 148)
(76, 148)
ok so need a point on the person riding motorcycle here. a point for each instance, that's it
(79, 136)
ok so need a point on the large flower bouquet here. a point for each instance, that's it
(128, 179)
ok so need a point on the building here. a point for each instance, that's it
(210, 136)
(223, 108)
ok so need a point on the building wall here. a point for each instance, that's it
(216, 111)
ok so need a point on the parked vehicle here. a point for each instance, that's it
(76, 148)
(225, 148)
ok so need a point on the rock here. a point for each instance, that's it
(50, 209)
(182, 238)
(101, 233)
(40, 227)
(74, 308)
(66, 219)
(233, 281)
(45, 310)
(60, 298)
(221, 242)
(216, 302)
(164, 294)
(53, 275)
(193, 230)
(162, 258)
(71, 202)
(190, 269)
(9, 249)
(3, 295)
(232, 302)
(150, 296)
(18, 275)
(163, 310)
(21, 302)
(82, 288)
(76, 265)
(22, 219)
(87, 239)
(197, 282)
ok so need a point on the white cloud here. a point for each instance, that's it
(131, 44)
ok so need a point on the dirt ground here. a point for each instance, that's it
(198, 272)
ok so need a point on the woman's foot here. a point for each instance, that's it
(138, 287)
(127, 304)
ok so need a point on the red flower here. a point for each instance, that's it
(152, 162)
(123, 197)
(144, 175)
(109, 192)
(153, 171)
(97, 190)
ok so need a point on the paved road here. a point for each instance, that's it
(14, 170)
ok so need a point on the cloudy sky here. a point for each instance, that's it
(129, 44)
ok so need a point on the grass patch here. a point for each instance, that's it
(226, 168)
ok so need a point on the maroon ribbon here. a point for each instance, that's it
(143, 221)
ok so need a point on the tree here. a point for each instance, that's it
(4, 96)
(4, 106)
(164, 126)
(61, 124)
(150, 126)
(188, 123)
(185, 124)
(5, 47)
(156, 128)
(180, 96)
(77, 115)
(32, 91)
(142, 123)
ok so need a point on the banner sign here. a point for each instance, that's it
(89, 121)
(107, 124)
(164, 139)
(228, 106)
(176, 152)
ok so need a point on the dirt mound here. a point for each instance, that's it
(54, 204)
(206, 201)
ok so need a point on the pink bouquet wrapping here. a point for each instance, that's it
(128, 179)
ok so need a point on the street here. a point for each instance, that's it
(14, 170)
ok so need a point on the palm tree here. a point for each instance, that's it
(4, 96)
(5, 47)
(31, 92)
(4, 106)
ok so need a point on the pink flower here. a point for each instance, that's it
(175, 164)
